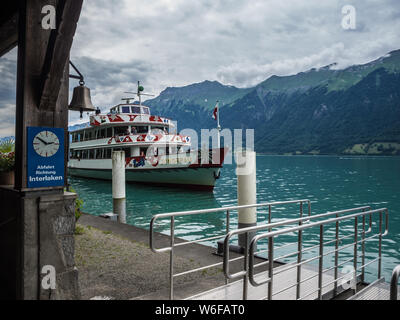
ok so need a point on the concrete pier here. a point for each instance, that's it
(119, 185)
(246, 190)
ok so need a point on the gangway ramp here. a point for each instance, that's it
(285, 279)
(312, 268)
(378, 290)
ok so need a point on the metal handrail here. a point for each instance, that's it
(394, 283)
(274, 225)
(272, 234)
(228, 210)
(215, 210)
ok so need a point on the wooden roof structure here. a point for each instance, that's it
(43, 66)
(41, 101)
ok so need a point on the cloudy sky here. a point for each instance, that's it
(165, 43)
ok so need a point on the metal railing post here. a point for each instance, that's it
(363, 250)
(171, 260)
(269, 214)
(336, 271)
(394, 283)
(299, 254)
(321, 260)
(246, 267)
(270, 266)
(355, 253)
(228, 222)
(380, 246)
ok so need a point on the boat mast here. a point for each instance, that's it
(140, 93)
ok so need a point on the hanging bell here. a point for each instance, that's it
(81, 100)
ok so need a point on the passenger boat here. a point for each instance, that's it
(154, 152)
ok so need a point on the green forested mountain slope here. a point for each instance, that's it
(327, 111)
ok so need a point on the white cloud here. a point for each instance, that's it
(166, 43)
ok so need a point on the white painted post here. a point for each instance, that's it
(118, 185)
(246, 190)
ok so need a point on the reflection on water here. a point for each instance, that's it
(331, 183)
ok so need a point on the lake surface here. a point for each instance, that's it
(330, 182)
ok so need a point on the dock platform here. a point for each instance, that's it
(285, 279)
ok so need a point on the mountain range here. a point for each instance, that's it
(322, 111)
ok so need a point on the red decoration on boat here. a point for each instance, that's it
(156, 119)
(132, 118)
(94, 122)
(127, 139)
(141, 138)
(115, 118)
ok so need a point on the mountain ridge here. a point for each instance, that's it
(319, 111)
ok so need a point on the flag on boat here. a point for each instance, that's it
(215, 113)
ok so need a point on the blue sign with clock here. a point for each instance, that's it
(45, 163)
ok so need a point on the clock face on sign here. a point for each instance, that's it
(46, 144)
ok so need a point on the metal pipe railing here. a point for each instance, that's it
(321, 254)
(228, 211)
(394, 283)
(275, 225)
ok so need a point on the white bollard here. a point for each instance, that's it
(246, 191)
(118, 185)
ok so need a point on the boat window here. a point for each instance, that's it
(109, 132)
(126, 110)
(91, 154)
(143, 151)
(84, 154)
(108, 153)
(120, 131)
(127, 152)
(159, 130)
(146, 111)
(101, 134)
(142, 129)
(136, 110)
(92, 135)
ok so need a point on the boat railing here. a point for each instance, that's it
(228, 211)
(394, 283)
(249, 273)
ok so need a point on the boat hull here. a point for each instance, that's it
(200, 178)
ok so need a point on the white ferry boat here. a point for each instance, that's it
(154, 153)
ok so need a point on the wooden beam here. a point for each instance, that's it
(8, 34)
(60, 42)
(33, 56)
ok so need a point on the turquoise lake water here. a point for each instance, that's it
(330, 182)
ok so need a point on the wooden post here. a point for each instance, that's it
(43, 57)
(38, 225)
